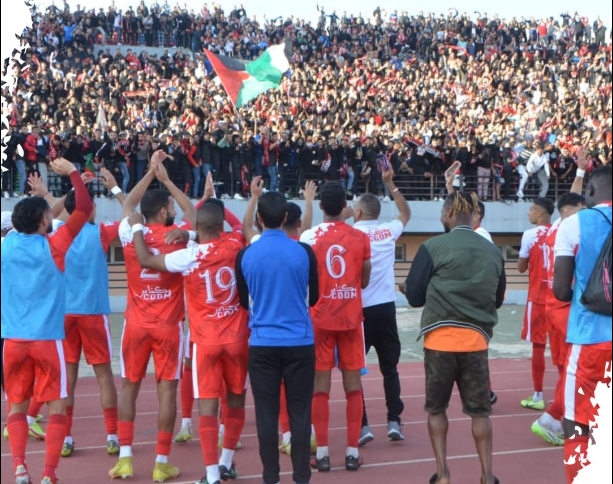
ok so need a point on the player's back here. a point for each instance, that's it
(535, 249)
(341, 251)
(155, 299)
(215, 314)
(551, 301)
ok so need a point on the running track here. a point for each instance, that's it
(519, 456)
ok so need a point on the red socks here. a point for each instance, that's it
(355, 410)
(69, 412)
(56, 432)
(223, 407)
(556, 409)
(209, 433)
(34, 408)
(283, 415)
(320, 415)
(235, 420)
(164, 443)
(575, 456)
(125, 432)
(538, 366)
(17, 425)
(110, 420)
(187, 393)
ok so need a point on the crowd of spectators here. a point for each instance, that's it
(511, 99)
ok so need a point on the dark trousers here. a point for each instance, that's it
(381, 332)
(295, 366)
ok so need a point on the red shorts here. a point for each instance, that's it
(535, 323)
(34, 368)
(165, 343)
(348, 343)
(585, 368)
(90, 333)
(557, 340)
(220, 368)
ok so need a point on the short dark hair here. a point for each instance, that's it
(70, 202)
(370, 205)
(272, 207)
(601, 176)
(481, 209)
(333, 198)
(28, 214)
(294, 212)
(209, 217)
(570, 200)
(217, 202)
(153, 201)
(545, 203)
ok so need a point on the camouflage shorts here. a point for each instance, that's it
(471, 373)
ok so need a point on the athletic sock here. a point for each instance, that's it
(283, 415)
(69, 413)
(354, 417)
(287, 437)
(352, 452)
(34, 409)
(163, 446)
(187, 394)
(56, 431)
(321, 417)
(212, 474)
(575, 456)
(322, 452)
(538, 367)
(125, 432)
(235, 420)
(208, 431)
(110, 421)
(226, 458)
(17, 425)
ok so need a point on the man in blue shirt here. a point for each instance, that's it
(277, 281)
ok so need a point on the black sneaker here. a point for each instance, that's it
(322, 465)
(204, 481)
(493, 398)
(353, 463)
(226, 473)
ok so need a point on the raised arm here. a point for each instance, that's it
(136, 195)
(189, 211)
(145, 258)
(109, 182)
(257, 185)
(582, 165)
(404, 210)
(310, 188)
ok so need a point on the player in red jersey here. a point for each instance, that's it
(343, 255)
(219, 331)
(549, 426)
(533, 257)
(153, 319)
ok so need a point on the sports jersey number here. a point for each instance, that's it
(225, 280)
(546, 256)
(334, 256)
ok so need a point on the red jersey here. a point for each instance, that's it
(155, 299)
(341, 251)
(551, 301)
(215, 314)
(109, 231)
(535, 249)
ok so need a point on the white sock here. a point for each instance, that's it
(538, 396)
(68, 440)
(186, 422)
(112, 437)
(162, 459)
(31, 420)
(287, 437)
(125, 451)
(222, 431)
(313, 430)
(212, 473)
(226, 458)
(352, 452)
(322, 452)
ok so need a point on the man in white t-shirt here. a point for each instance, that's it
(379, 299)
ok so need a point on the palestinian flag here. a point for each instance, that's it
(245, 80)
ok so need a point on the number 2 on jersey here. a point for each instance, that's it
(225, 280)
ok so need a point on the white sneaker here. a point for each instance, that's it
(355, 198)
(385, 199)
(225, 196)
(6, 194)
(238, 196)
(520, 194)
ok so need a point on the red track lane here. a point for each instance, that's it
(519, 456)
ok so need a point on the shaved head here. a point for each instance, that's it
(209, 218)
(370, 207)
